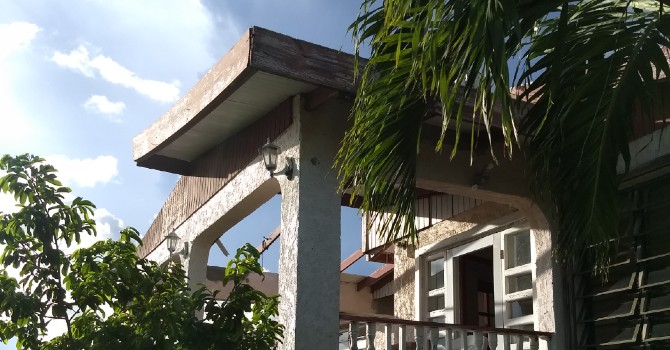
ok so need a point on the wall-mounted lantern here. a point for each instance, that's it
(172, 241)
(270, 153)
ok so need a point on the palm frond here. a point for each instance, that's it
(586, 66)
(582, 121)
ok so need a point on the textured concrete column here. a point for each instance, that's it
(309, 278)
(195, 266)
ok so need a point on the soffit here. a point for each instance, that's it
(262, 70)
(251, 101)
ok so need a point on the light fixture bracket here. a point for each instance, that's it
(287, 170)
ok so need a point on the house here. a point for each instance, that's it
(482, 271)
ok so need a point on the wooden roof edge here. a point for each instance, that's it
(258, 49)
(201, 99)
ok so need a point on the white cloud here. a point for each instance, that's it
(107, 225)
(79, 60)
(16, 126)
(86, 172)
(16, 36)
(101, 104)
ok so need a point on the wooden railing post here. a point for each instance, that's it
(353, 335)
(455, 335)
(370, 332)
(493, 341)
(507, 342)
(479, 340)
(402, 337)
(534, 343)
(464, 339)
(419, 337)
(388, 334)
(434, 336)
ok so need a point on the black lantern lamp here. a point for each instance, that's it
(270, 153)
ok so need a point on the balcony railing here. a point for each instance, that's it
(387, 333)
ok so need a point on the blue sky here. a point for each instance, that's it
(79, 79)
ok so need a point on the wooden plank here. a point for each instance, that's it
(375, 276)
(350, 202)
(172, 165)
(319, 96)
(222, 248)
(355, 256)
(302, 61)
(267, 242)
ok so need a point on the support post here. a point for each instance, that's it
(309, 259)
(195, 265)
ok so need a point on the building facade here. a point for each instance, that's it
(483, 263)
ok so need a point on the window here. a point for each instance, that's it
(464, 283)
(435, 301)
(518, 277)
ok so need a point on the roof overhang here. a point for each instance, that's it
(262, 70)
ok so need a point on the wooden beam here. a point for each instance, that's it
(222, 247)
(172, 165)
(355, 256)
(380, 254)
(382, 257)
(300, 60)
(381, 282)
(319, 96)
(375, 276)
(267, 242)
(347, 201)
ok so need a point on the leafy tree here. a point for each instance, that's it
(107, 296)
(587, 66)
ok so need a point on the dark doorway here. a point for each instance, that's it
(476, 288)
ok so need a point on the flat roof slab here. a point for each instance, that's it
(262, 69)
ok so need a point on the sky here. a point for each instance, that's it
(80, 78)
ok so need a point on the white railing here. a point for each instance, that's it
(388, 333)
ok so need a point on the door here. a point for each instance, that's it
(471, 297)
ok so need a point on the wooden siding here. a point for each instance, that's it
(212, 171)
(430, 210)
(384, 291)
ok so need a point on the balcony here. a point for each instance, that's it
(387, 333)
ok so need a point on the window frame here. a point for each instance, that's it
(493, 235)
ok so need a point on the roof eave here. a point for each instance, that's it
(258, 50)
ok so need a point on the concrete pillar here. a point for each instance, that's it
(195, 265)
(309, 277)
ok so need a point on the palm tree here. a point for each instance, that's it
(586, 66)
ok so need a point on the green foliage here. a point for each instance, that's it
(588, 66)
(107, 296)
